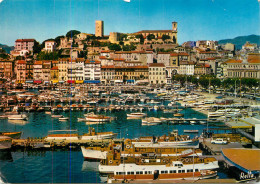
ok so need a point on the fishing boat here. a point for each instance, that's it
(52, 135)
(14, 135)
(178, 115)
(190, 131)
(93, 135)
(17, 117)
(151, 121)
(57, 116)
(81, 119)
(5, 142)
(64, 119)
(136, 115)
(91, 117)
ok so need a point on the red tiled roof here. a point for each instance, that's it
(164, 53)
(92, 62)
(233, 61)
(108, 66)
(119, 59)
(105, 51)
(21, 62)
(38, 62)
(54, 68)
(156, 65)
(25, 40)
(102, 57)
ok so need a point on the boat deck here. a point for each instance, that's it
(182, 181)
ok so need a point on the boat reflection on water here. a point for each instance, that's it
(6, 156)
(18, 122)
(90, 165)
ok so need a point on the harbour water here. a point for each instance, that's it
(62, 166)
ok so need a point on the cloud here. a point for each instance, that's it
(1, 1)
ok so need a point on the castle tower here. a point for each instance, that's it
(174, 26)
(174, 31)
(99, 31)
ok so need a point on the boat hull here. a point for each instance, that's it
(89, 154)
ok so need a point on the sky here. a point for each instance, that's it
(197, 19)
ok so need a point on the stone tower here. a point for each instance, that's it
(99, 31)
(174, 31)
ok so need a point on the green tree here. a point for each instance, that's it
(129, 47)
(122, 37)
(141, 37)
(115, 47)
(57, 40)
(165, 37)
(36, 47)
(72, 33)
(150, 37)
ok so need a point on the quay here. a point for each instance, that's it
(40, 143)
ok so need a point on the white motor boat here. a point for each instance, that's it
(17, 117)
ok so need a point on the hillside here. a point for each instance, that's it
(241, 40)
(6, 48)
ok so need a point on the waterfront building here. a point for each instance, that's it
(92, 71)
(157, 73)
(131, 74)
(99, 30)
(6, 69)
(107, 74)
(54, 74)
(46, 68)
(50, 46)
(80, 62)
(29, 70)
(71, 70)
(202, 69)
(37, 72)
(186, 68)
(63, 69)
(24, 44)
(20, 70)
(243, 69)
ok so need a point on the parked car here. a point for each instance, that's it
(218, 141)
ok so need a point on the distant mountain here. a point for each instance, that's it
(241, 40)
(7, 48)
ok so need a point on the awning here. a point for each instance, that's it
(55, 81)
(118, 81)
(61, 81)
(29, 81)
(46, 82)
(92, 81)
(37, 81)
(71, 81)
(131, 81)
(79, 81)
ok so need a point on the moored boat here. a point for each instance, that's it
(5, 142)
(17, 117)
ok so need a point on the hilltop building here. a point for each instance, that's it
(99, 31)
